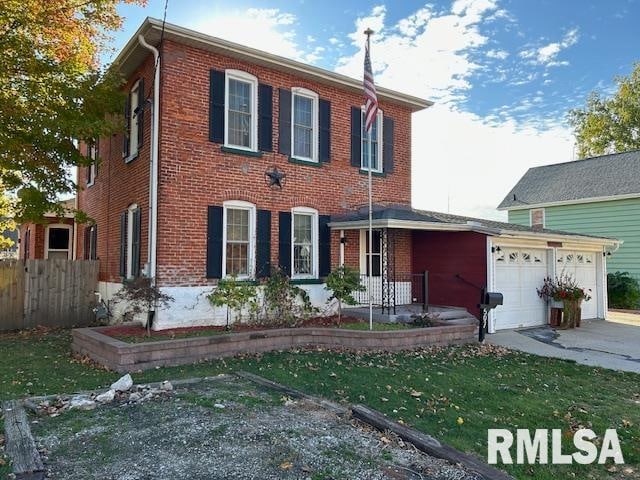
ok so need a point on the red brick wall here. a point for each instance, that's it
(117, 185)
(194, 173)
(445, 254)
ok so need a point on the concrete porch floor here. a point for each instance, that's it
(404, 313)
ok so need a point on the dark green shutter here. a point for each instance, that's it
(94, 241)
(216, 106)
(127, 127)
(325, 130)
(135, 242)
(123, 244)
(284, 244)
(214, 242)
(284, 117)
(263, 244)
(356, 137)
(265, 117)
(87, 243)
(140, 115)
(387, 144)
(324, 245)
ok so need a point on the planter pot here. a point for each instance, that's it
(555, 316)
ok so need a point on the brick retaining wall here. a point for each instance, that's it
(126, 357)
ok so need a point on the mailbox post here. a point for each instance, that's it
(488, 301)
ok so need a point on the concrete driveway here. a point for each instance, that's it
(596, 343)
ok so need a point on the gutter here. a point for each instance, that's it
(153, 168)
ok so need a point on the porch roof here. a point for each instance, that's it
(403, 216)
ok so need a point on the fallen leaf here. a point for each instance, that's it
(460, 421)
(415, 393)
(286, 466)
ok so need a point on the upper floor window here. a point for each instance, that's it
(92, 170)
(304, 124)
(376, 143)
(238, 239)
(134, 120)
(537, 217)
(240, 110)
(304, 242)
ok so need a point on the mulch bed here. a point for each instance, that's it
(139, 331)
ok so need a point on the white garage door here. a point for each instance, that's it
(518, 273)
(582, 267)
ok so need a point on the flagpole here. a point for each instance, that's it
(368, 33)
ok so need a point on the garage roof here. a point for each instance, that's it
(592, 179)
(403, 216)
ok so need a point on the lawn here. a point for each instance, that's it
(432, 390)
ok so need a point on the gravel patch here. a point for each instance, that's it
(226, 428)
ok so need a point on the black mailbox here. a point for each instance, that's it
(492, 300)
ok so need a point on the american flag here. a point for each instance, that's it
(370, 97)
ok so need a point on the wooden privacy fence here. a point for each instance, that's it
(52, 293)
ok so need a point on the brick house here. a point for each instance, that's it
(253, 161)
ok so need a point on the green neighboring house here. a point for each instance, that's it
(595, 196)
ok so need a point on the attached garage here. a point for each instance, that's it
(518, 273)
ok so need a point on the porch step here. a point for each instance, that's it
(454, 316)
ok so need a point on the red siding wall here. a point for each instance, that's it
(445, 255)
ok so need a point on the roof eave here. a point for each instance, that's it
(577, 201)
(258, 56)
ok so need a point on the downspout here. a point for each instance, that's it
(153, 174)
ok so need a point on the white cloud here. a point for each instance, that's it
(265, 28)
(547, 54)
(459, 159)
(498, 54)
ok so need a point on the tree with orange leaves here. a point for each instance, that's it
(53, 93)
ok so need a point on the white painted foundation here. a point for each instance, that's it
(191, 308)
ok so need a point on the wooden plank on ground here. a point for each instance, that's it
(427, 443)
(19, 444)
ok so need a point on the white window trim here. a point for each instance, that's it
(380, 118)
(363, 254)
(242, 205)
(46, 239)
(314, 238)
(243, 77)
(303, 92)
(544, 217)
(130, 211)
(134, 119)
(92, 151)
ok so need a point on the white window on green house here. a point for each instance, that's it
(304, 243)
(536, 218)
(240, 110)
(376, 144)
(304, 124)
(239, 239)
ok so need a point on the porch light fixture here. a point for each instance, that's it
(275, 178)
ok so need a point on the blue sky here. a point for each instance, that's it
(503, 73)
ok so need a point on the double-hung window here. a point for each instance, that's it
(304, 124)
(376, 143)
(58, 242)
(304, 243)
(239, 239)
(241, 110)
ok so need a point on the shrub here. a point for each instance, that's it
(284, 303)
(141, 296)
(343, 282)
(623, 290)
(236, 295)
